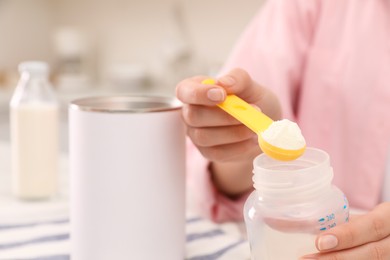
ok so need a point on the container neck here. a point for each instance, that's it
(33, 81)
(307, 177)
(33, 87)
(26, 75)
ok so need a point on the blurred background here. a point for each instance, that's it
(119, 45)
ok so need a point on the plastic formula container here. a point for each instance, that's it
(292, 202)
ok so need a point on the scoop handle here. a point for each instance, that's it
(245, 113)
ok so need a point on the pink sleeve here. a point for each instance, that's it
(271, 49)
(205, 197)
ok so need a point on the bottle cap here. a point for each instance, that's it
(34, 67)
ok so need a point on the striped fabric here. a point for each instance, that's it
(48, 239)
(40, 230)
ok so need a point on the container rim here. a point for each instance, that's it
(312, 159)
(126, 104)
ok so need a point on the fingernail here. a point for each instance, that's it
(327, 242)
(216, 94)
(227, 81)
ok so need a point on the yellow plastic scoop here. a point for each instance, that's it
(258, 122)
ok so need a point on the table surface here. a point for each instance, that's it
(40, 229)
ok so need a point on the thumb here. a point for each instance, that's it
(239, 82)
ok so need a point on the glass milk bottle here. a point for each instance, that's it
(34, 133)
(292, 202)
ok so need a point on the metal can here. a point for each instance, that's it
(127, 170)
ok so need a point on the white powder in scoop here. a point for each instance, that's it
(284, 134)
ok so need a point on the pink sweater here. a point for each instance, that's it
(329, 63)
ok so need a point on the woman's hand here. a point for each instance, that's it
(366, 237)
(229, 145)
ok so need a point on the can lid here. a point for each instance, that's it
(126, 104)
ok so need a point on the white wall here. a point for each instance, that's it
(142, 32)
(25, 28)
